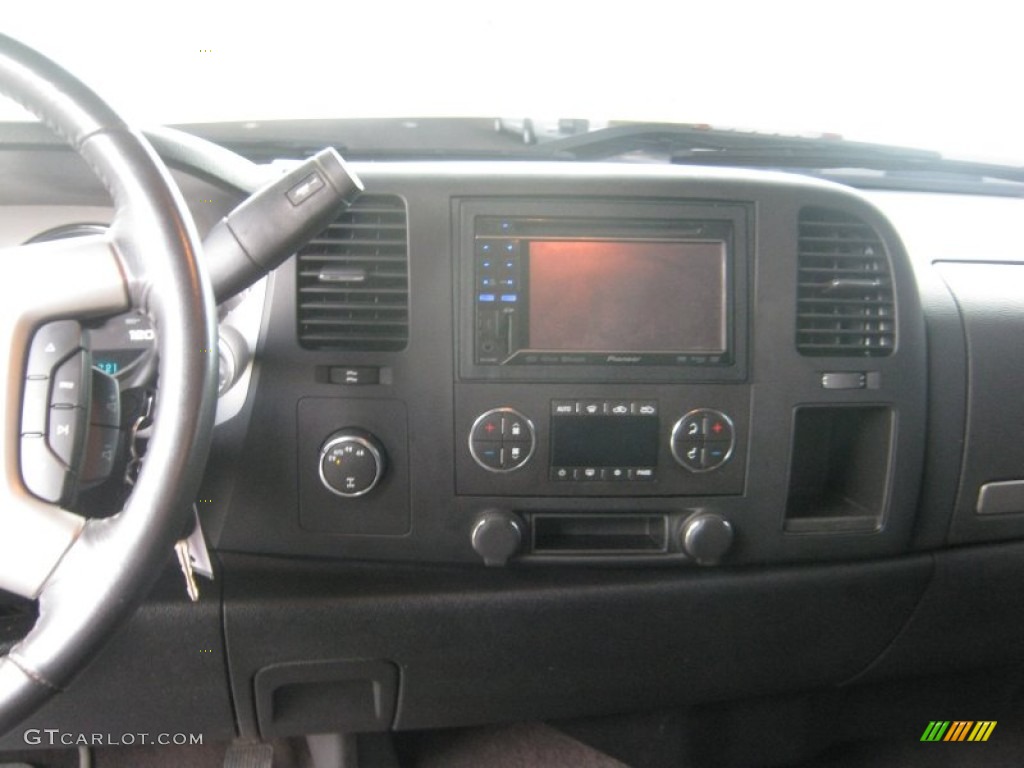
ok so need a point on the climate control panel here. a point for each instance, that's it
(665, 441)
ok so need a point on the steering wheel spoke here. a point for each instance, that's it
(87, 576)
(66, 278)
(34, 536)
(75, 277)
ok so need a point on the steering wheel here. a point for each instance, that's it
(88, 575)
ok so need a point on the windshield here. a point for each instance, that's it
(932, 76)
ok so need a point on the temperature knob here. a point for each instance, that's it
(351, 463)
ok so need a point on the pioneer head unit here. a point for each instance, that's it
(559, 291)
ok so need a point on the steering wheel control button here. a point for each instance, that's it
(502, 440)
(351, 463)
(42, 472)
(100, 451)
(69, 382)
(34, 406)
(66, 432)
(703, 440)
(53, 343)
(106, 400)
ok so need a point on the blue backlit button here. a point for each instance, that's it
(489, 455)
(715, 455)
(488, 282)
(487, 298)
(616, 473)
(563, 407)
(641, 473)
(509, 298)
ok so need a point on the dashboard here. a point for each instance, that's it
(758, 428)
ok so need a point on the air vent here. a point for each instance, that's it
(845, 305)
(353, 280)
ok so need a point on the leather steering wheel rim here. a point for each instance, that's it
(88, 575)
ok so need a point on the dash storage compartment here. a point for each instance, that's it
(839, 472)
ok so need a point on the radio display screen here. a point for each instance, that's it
(627, 296)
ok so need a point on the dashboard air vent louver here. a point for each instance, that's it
(353, 280)
(845, 304)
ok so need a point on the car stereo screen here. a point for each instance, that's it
(627, 296)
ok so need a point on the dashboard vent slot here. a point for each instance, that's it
(353, 280)
(845, 304)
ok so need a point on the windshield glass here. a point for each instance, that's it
(932, 76)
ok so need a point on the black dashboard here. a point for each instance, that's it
(771, 432)
(792, 421)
